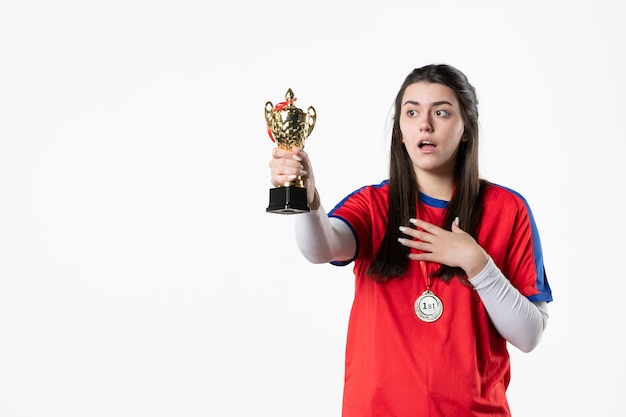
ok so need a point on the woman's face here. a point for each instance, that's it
(432, 127)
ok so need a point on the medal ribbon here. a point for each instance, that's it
(427, 278)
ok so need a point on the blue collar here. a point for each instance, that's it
(433, 202)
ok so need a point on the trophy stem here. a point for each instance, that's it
(297, 182)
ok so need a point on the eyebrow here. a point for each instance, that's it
(436, 103)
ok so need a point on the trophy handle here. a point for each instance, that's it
(311, 117)
(269, 119)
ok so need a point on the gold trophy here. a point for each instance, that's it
(289, 126)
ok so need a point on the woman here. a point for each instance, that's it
(448, 266)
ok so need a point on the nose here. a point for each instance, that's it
(425, 124)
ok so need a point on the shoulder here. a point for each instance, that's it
(503, 205)
(505, 197)
(373, 189)
(365, 194)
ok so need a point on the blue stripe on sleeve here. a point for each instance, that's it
(545, 293)
(356, 237)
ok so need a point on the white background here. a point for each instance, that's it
(139, 272)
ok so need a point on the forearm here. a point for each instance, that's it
(322, 239)
(520, 321)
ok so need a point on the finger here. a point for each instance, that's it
(285, 170)
(422, 256)
(298, 154)
(286, 166)
(302, 157)
(455, 226)
(428, 227)
(409, 231)
(417, 235)
(416, 244)
(280, 157)
(288, 171)
(279, 152)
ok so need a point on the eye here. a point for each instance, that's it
(441, 113)
(411, 113)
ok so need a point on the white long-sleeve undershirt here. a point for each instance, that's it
(520, 321)
(322, 239)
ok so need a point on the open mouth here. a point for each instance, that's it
(426, 143)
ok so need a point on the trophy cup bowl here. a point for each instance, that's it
(289, 126)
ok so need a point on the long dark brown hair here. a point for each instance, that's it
(391, 260)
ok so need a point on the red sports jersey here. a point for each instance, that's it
(400, 366)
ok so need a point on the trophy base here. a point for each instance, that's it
(288, 200)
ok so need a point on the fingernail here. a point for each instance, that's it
(297, 158)
(413, 221)
(402, 228)
(457, 221)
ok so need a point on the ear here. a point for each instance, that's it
(465, 136)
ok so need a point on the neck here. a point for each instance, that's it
(437, 187)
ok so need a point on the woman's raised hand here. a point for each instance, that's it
(286, 166)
